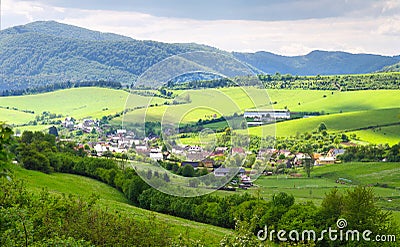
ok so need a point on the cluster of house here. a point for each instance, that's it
(289, 159)
(86, 125)
(120, 142)
(197, 157)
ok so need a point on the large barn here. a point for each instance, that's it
(259, 114)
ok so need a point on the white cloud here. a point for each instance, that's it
(379, 34)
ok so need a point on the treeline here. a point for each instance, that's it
(336, 82)
(195, 84)
(61, 85)
(371, 153)
(287, 81)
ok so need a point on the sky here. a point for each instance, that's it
(286, 27)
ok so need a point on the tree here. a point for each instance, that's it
(53, 131)
(394, 153)
(187, 98)
(34, 160)
(322, 127)
(166, 178)
(362, 213)
(331, 207)
(5, 139)
(308, 161)
(188, 171)
(308, 165)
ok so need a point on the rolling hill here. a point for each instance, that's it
(114, 201)
(351, 122)
(47, 52)
(43, 53)
(392, 68)
(351, 110)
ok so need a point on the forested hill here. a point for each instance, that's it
(63, 31)
(44, 53)
(392, 68)
(317, 63)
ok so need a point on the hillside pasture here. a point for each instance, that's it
(383, 177)
(76, 102)
(389, 135)
(114, 201)
(15, 117)
(350, 121)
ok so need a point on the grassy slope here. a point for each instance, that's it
(16, 117)
(77, 102)
(390, 135)
(114, 200)
(336, 102)
(336, 122)
(230, 100)
(359, 107)
(33, 128)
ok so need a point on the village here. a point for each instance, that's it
(123, 144)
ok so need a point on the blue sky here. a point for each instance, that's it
(285, 27)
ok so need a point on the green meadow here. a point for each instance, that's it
(227, 101)
(75, 102)
(390, 135)
(15, 117)
(113, 200)
(350, 121)
(383, 177)
(344, 111)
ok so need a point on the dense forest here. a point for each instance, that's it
(32, 55)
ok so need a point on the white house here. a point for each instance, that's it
(156, 156)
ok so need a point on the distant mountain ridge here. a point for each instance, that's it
(317, 62)
(48, 52)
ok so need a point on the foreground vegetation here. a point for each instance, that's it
(115, 202)
(40, 152)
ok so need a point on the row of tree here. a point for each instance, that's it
(59, 86)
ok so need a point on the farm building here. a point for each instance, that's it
(260, 114)
(221, 172)
(255, 117)
(325, 160)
